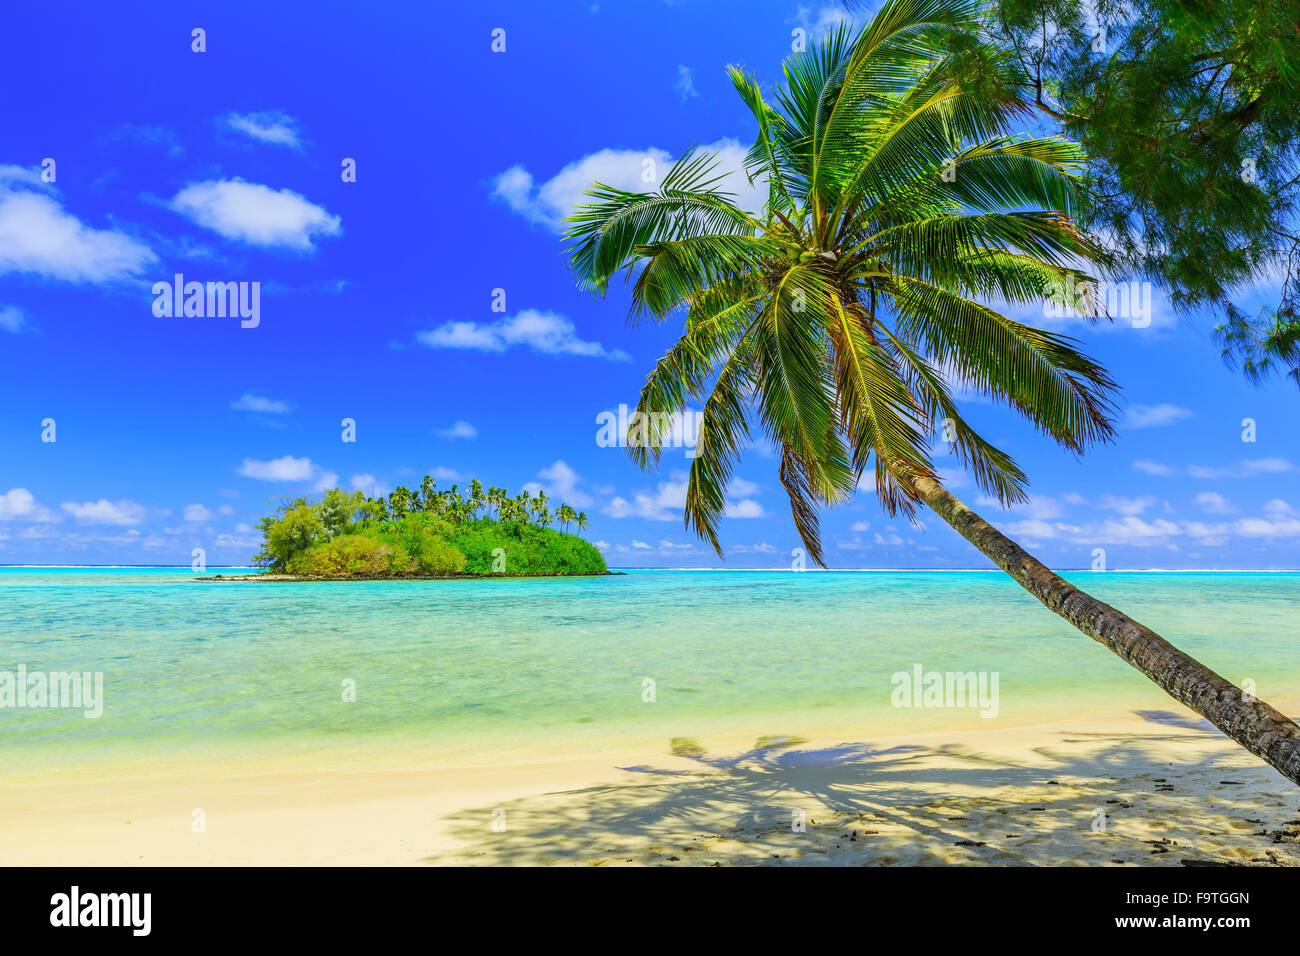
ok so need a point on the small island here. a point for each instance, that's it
(422, 534)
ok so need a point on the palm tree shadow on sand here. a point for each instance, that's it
(1094, 798)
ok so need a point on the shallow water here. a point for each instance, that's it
(210, 670)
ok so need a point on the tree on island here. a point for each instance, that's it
(432, 531)
(898, 201)
(565, 516)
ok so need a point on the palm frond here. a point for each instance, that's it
(606, 233)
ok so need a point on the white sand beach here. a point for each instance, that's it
(1158, 789)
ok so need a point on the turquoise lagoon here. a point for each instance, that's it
(493, 668)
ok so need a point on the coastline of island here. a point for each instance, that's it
(272, 578)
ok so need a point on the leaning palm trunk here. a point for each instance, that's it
(1255, 725)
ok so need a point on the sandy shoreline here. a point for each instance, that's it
(1157, 789)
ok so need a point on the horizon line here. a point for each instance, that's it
(242, 567)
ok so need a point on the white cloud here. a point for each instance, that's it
(948, 477)
(665, 503)
(37, 236)
(1245, 469)
(1129, 530)
(325, 480)
(860, 526)
(103, 511)
(1276, 527)
(1151, 416)
(1207, 534)
(554, 200)
(743, 488)
(1280, 521)
(369, 484)
(1034, 528)
(1248, 469)
(1214, 503)
(1278, 508)
(1038, 506)
(1126, 506)
(244, 537)
(21, 504)
(459, 429)
(824, 18)
(256, 214)
(669, 546)
(745, 509)
(196, 513)
(664, 546)
(561, 484)
(11, 318)
(685, 85)
(544, 332)
(286, 468)
(273, 126)
(249, 402)
(29, 176)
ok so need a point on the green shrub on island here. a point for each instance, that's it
(425, 532)
(351, 555)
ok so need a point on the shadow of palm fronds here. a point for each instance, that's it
(857, 803)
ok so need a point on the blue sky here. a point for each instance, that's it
(376, 296)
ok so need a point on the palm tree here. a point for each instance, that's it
(540, 509)
(476, 498)
(381, 512)
(581, 520)
(564, 514)
(399, 502)
(839, 316)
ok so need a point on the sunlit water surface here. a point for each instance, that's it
(464, 669)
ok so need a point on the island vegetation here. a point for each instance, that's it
(428, 532)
